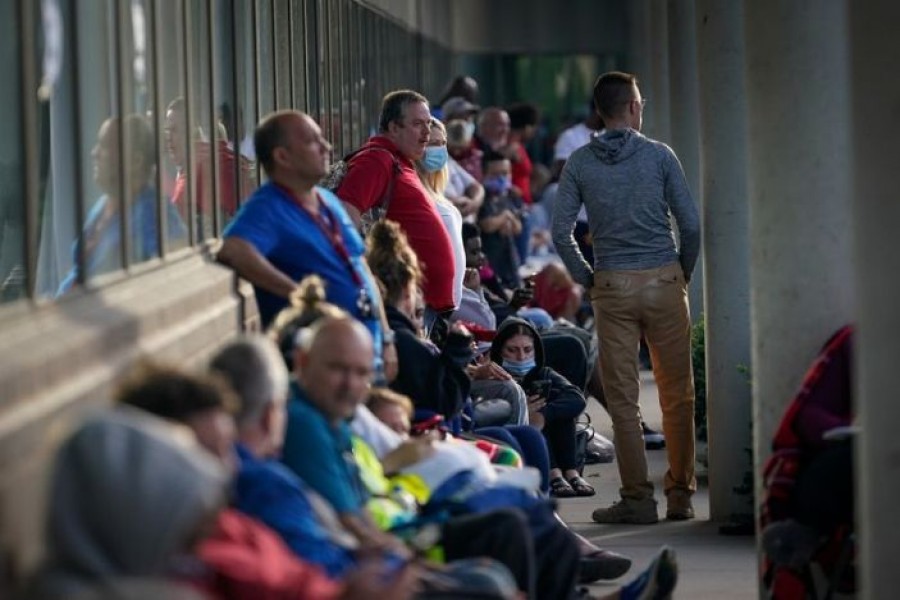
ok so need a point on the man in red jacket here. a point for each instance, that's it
(383, 174)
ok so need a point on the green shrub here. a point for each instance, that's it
(698, 358)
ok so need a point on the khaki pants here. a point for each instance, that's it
(654, 303)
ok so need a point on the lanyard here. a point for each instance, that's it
(328, 224)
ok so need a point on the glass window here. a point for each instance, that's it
(116, 143)
(298, 51)
(265, 57)
(283, 55)
(237, 172)
(12, 204)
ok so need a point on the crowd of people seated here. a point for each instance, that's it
(401, 430)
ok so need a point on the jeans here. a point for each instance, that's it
(529, 443)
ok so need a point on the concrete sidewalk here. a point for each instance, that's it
(711, 566)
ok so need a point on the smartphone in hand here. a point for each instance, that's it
(540, 387)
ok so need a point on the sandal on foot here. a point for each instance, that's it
(581, 487)
(559, 488)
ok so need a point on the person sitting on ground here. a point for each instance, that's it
(128, 495)
(554, 403)
(484, 301)
(246, 558)
(318, 445)
(500, 220)
(556, 292)
(434, 377)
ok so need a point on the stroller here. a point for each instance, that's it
(807, 509)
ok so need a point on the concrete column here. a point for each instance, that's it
(685, 116)
(874, 46)
(657, 116)
(802, 285)
(726, 247)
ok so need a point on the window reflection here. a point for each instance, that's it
(116, 172)
(12, 216)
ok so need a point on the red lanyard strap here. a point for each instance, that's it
(328, 224)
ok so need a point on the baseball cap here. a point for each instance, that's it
(457, 105)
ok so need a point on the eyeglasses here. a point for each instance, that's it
(643, 102)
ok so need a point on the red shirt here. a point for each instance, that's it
(249, 560)
(521, 173)
(228, 199)
(411, 207)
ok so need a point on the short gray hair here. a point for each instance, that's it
(255, 370)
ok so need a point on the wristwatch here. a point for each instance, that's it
(387, 337)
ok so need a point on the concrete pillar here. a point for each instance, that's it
(726, 247)
(657, 116)
(874, 46)
(802, 285)
(685, 116)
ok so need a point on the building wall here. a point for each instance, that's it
(59, 360)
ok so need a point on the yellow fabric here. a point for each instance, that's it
(389, 506)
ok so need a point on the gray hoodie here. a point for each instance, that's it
(631, 186)
(129, 492)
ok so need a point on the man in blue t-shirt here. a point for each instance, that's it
(291, 228)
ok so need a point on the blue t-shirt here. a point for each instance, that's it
(322, 455)
(267, 490)
(105, 255)
(291, 239)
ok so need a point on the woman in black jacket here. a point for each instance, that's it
(554, 402)
(435, 378)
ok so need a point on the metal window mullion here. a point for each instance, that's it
(31, 183)
(292, 97)
(338, 53)
(77, 141)
(238, 105)
(257, 100)
(123, 165)
(189, 123)
(276, 85)
(162, 229)
(311, 32)
(215, 198)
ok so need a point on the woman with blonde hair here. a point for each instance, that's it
(434, 173)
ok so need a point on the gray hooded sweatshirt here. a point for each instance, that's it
(631, 186)
(129, 492)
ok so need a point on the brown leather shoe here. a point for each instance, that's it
(679, 506)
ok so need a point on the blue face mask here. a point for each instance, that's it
(519, 367)
(498, 184)
(435, 158)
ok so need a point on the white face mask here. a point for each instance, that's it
(470, 129)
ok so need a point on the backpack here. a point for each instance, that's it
(335, 176)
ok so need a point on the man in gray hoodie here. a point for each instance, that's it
(632, 186)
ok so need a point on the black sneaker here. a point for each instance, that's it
(653, 440)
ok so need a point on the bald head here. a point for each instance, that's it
(493, 126)
(289, 143)
(334, 366)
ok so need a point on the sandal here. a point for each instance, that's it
(580, 487)
(559, 488)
